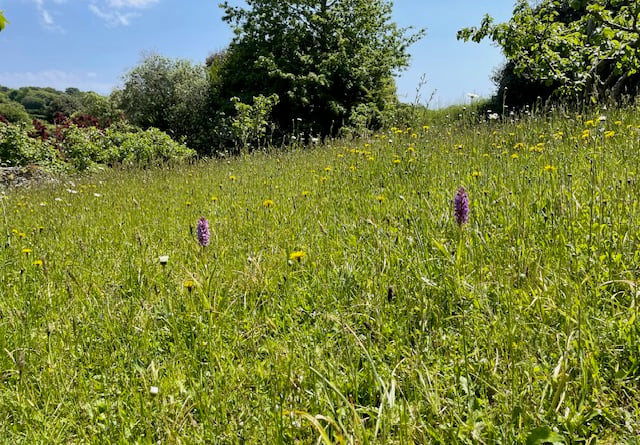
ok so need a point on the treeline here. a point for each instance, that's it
(295, 69)
(570, 51)
(45, 104)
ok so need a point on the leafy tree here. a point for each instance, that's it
(580, 48)
(14, 112)
(3, 21)
(101, 107)
(322, 58)
(171, 95)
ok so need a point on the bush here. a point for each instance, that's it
(83, 148)
(14, 112)
(17, 148)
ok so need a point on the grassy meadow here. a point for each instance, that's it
(338, 300)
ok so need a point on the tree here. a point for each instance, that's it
(585, 49)
(322, 58)
(3, 20)
(14, 112)
(171, 95)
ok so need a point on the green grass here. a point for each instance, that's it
(395, 327)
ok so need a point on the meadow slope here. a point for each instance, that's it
(338, 300)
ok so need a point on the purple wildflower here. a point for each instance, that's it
(461, 206)
(203, 232)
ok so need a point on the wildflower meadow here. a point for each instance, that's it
(456, 282)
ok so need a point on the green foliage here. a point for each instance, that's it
(322, 58)
(18, 149)
(3, 21)
(14, 112)
(171, 95)
(250, 122)
(100, 107)
(45, 103)
(544, 435)
(584, 49)
(85, 148)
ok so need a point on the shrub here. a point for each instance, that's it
(17, 148)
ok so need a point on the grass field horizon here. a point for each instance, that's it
(338, 300)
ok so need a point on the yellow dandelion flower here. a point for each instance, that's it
(414, 135)
(340, 155)
(297, 255)
(589, 123)
(306, 193)
(475, 174)
(188, 203)
(38, 263)
(586, 134)
(380, 198)
(618, 122)
(411, 149)
(519, 146)
(189, 285)
(26, 250)
(15, 231)
(396, 161)
(425, 127)
(609, 134)
(352, 168)
(214, 198)
(323, 179)
(232, 178)
(268, 203)
(327, 169)
(371, 158)
(515, 156)
(549, 168)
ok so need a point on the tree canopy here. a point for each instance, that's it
(585, 49)
(324, 59)
(171, 95)
(3, 20)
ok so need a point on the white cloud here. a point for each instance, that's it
(119, 4)
(113, 18)
(118, 12)
(46, 17)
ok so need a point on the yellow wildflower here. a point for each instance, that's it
(268, 203)
(297, 255)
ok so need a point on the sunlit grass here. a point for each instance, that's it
(337, 299)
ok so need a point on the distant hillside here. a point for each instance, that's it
(27, 103)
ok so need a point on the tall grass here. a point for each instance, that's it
(388, 324)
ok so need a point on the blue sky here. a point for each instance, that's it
(90, 44)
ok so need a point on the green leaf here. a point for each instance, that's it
(3, 21)
(544, 435)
